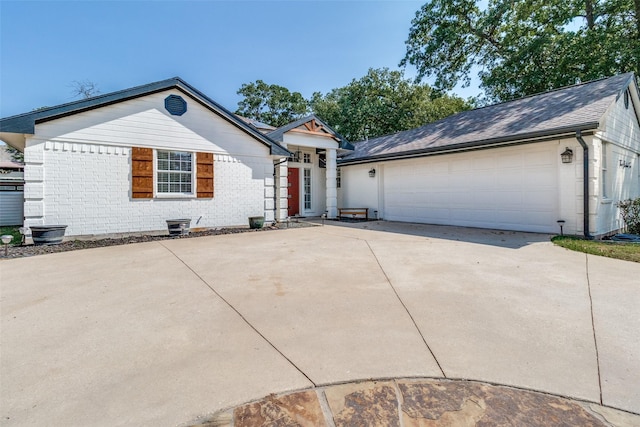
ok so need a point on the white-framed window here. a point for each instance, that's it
(307, 157)
(605, 177)
(307, 188)
(174, 172)
(338, 177)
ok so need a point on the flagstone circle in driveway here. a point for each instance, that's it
(165, 333)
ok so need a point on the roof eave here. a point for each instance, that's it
(477, 145)
(25, 123)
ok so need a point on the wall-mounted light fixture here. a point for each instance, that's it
(372, 173)
(624, 164)
(567, 155)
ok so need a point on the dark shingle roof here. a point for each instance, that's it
(278, 134)
(579, 107)
(25, 123)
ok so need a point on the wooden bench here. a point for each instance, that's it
(353, 212)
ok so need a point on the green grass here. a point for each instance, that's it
(14, 231)
(624, 251)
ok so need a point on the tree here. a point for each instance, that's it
(382, 102)
(524, 46)
(84, 88)
(271, 104)
(16, 155)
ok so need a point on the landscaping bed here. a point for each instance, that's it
(607, 248)
(20, 251)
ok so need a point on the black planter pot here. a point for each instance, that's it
(178, 227)
(47, 234)
(256, 222)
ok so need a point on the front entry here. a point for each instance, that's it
(293, 205)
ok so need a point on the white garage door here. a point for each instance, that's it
(512, 188)
(11, 205)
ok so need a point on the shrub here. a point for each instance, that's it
(630, 210)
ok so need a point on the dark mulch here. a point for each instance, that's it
(73, 245)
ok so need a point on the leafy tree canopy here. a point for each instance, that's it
(524, 46)
(380, 103)
(271, 104)
(15, 154)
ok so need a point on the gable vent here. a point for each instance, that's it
(626, 99)
(175, 105)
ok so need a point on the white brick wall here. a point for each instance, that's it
(78, 169)
(90, 192)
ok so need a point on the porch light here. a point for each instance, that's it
(567, 155)
(372, 173)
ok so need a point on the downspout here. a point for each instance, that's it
(275, 189)
(585, 185)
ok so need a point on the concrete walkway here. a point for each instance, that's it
(166, 333)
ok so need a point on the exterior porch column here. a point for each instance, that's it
(281, 191)
(332, 192)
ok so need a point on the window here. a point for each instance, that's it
(605, 178)
(174, 172)
(295, 157)
(338, 177)
(307, 158)
(307, 188)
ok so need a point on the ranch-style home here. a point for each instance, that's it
(128, 161)
(519, 165)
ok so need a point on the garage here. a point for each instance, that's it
(512, 188)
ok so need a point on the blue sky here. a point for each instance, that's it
(216, 46)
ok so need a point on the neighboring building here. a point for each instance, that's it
(501, 166)
(11, 190)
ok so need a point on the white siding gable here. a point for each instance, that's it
(620, 124)
(144, 122)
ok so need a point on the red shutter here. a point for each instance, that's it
(204, 175)
(141, 173)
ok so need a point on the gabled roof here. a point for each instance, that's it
(312, 123)
(574, 108)
(262, 127)
(25, 123)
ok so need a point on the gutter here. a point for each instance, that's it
(585, 185)
(504, 141)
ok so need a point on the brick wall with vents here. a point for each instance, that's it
(89, 188)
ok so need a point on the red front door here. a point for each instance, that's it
(294, 192)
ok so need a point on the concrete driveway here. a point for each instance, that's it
(162, 333)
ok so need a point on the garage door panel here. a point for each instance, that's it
(501, 189)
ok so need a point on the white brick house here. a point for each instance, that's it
(500, 166)
(130, 160)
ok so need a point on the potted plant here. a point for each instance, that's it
(256, 222)
(47, 234)
(178, 227)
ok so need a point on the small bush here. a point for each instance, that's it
(630, 210)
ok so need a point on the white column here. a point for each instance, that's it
(332, 192)
(33, 183)
(281, 191)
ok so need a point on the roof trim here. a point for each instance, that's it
(528, 138)
(25, 123)
(278, 134)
